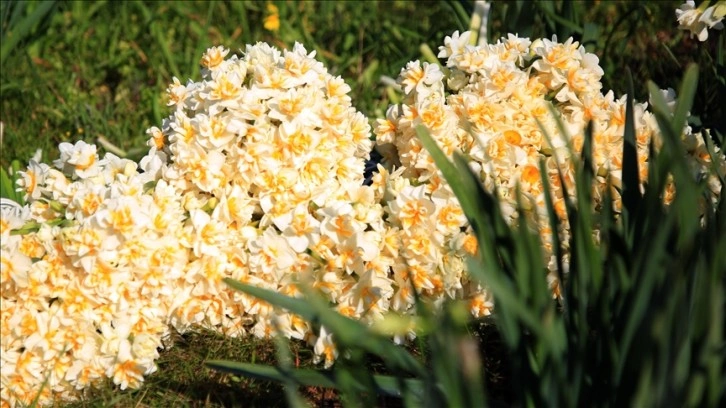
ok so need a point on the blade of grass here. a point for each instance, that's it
(554, 224)
(22, 30)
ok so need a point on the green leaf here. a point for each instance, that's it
(295, 305)
(566, 27)
(6, 186)
(715, 169)
(294, 399)
(308, 377)
(686, 94)
(509, 305)
(557, 250)
(630, 173)
(495, 239)
(481, 208)
(387, 385)
(462, 185)
(591, 33)
(347, 332)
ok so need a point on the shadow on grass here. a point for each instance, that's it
(182, 380)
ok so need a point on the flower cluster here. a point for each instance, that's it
(86, 287)
(698, 20)
(493, 103)
(256, 176)
(267, 155)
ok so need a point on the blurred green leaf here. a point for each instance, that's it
(299, 376)
(630, 172)
(686, 94)
(386, 385)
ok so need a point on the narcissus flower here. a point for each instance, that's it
(698, 20)
(493, 105)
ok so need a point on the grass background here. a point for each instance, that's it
(85, 70)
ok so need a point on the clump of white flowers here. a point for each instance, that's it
(267, 156)
(256, 176)
(698, 20)
(489, 103)
(87, 285)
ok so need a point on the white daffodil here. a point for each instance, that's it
(698, 20)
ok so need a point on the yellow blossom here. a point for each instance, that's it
(272, 20)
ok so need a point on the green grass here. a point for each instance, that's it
(76, 70)
(90, 70)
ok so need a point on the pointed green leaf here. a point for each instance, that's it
(686, 94)
(387, 385)
(630, 173)
(295, 305)
(308, 377)
(462, 185)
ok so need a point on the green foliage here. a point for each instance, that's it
(640, 322)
